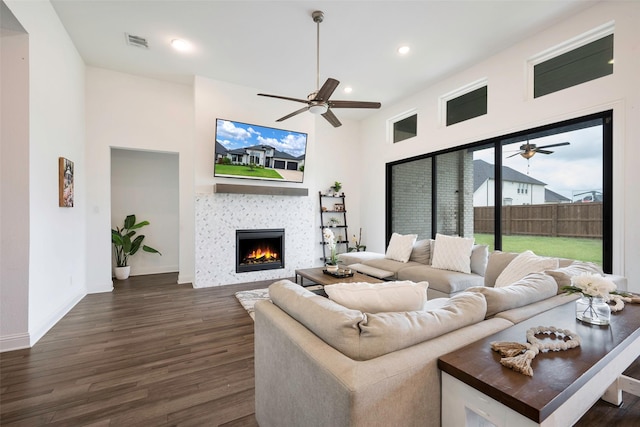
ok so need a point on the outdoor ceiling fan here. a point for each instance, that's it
(318, 101)
(529, 150)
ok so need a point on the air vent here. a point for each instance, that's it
(136, 41)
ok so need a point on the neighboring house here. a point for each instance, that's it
(221, 152)
(517, 188)
(260, 155)
(553, 197)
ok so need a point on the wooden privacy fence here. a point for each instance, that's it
(556, 220)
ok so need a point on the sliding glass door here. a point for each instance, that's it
(546, 189)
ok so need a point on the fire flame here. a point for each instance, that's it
(262, 254)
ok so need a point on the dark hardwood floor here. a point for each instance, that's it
(156, 353)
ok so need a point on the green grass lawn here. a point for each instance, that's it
(246, 171)
(564, 247)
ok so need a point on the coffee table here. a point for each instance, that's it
(476, 388)
(316, 276)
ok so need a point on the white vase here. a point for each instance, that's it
(331, 268)
(593, 310)
(122, 273)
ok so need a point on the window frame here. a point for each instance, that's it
(580, 40)
(607, 179)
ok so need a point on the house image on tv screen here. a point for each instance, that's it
(258, 152)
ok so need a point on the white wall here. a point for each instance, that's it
(511, 109)
(56, 129)
(14, 182)
(332, 155)
(146, 184)
(126, 111)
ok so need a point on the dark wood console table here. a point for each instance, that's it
(476, 388)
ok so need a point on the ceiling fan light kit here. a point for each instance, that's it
(318, 102)
(528, 150)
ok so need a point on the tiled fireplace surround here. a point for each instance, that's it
(219, 215)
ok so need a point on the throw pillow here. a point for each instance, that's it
(421, 252)
(525, 263)
(379, 297)
(479, 259)
(400, 247)
(452, 253)
(563, 275)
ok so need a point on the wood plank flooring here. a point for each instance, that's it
(156, 353)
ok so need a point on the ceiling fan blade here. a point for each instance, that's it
(326, 90)
(555, 145)
(302, 110)
(331, 118)
(513, 155)
(544, 151)
(284, 97)
(354, 104)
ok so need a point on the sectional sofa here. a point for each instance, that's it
(319, 363)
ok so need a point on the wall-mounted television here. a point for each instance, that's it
(250, 151)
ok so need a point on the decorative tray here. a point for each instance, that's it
(337, 274)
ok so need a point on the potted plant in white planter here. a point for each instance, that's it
(124, 247)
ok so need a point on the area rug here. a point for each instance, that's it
(249, 298)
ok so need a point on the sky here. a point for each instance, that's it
(237, 135)
(570, 170)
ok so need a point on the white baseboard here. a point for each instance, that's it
(14, 342)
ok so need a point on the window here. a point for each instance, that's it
(467, 106)
(405, 128)
(547, 189)
(579, 60)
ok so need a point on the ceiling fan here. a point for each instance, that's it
(528, 150)
(318, 101)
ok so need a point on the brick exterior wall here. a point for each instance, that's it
(411, 195)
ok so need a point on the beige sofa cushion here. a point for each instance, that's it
(525, 263)
(498, 260)
(389, 264)
(445, 281)
(379, 297)
(452, 253)
(563, 275)
(334, 324)
(384, 333)
(421, 252)
(349, 258)
(532, 288)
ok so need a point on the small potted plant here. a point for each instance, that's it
(336, 187)
(124, 247)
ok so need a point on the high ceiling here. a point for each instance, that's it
(271, 45)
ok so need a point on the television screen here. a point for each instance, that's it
(257, 152)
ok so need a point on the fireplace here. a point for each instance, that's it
(259, 250)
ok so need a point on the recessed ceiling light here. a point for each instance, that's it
(348, 89)
(403, 50)
(181, 45)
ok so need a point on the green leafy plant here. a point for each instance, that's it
(123, 246)
(336, 187)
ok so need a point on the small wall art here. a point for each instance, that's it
(65, 183)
